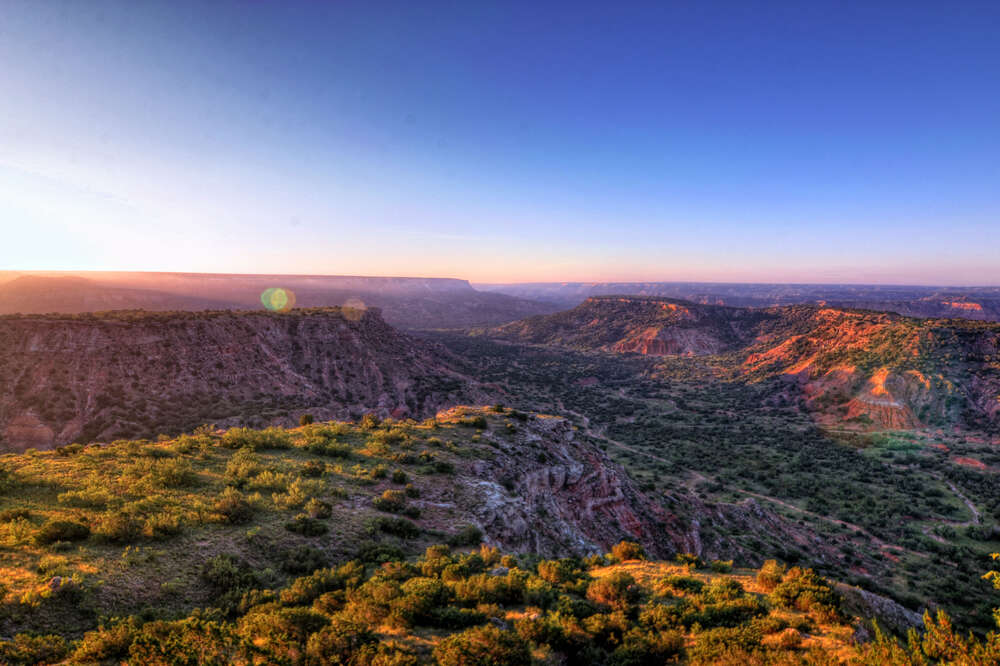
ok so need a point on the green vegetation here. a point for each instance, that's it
(479, 607)
(684, 425)
(145, 516)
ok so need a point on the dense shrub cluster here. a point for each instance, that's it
(481, 608)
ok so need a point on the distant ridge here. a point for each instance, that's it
(411, 303)
(873, 367)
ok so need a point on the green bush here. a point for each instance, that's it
(313, 469)
(770, 574)
(483, 646)
(88, 498)
(61, 530)
(172, 473)
(29, 650)
(192, 640)
(469, 535)
(689, 559)
(617, 590)
(107, 643)
(306, 526)
(270, 438)
(243, 466)
(679, 585)
(339, 642)
(390, 501)
(8, 481)
(233, 506)
(303, 560)
(804, 590)
(399, 527)
(315, 508)
(628, 550)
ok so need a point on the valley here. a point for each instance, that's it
(708, 432)
(910, 513)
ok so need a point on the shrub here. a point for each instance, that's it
(558, 572)
(640, 648)
(303, 560)
(787, 639)
(331, 449)
(390, 501)
(399, 527)
(88, 498)
(172, 473)
(313, 469)
(617, 590)
(679, 585)
(770, 574)
(470, 535)
(483, 646)
(399, 476)
(7, 479)
(689, 559)
(192, 640)
(628, 550)
(306, 419)
(713, 646)
(721, 566)
(118, 527)
(307, 589)
(270, 438)
(315, 508)
(61, 530)
(27, 649)
(107, 643)
(244, 465)
(14, 514)
(233, 506)
(228, 577)
(339, 642)
(379, 552)
(478, 422)
(306, 526)
(804, 590)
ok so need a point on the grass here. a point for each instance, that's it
(154, 508)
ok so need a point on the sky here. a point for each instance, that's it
(504, 141)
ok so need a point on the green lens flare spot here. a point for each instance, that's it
(277, 299)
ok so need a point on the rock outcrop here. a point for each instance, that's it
(102, 377)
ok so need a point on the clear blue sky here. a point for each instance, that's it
(508, 141)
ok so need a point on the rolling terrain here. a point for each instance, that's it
(894, 465)
(280, 533)
(872, 368)
(977, 303)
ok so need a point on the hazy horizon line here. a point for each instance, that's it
(473, 283)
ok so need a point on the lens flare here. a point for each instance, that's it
(278, 299)
(353, 309)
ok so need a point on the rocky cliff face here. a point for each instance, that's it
(137, 374)
(653, 326)
(548, 489)
(876, 368)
